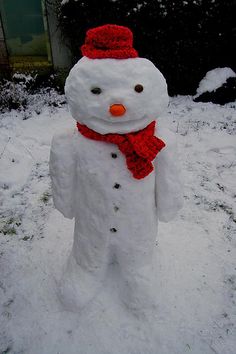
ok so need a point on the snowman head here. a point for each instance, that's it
(111, 89)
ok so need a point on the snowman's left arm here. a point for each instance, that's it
(169, 197)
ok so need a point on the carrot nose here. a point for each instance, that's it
(117, 110)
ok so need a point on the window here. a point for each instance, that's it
(25, 32)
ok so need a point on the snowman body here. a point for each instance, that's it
(115, 214)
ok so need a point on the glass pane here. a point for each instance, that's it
(24, 28)
(3, 50)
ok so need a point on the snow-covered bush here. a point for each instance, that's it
(29, 92)
(217, 86)
(12, 96)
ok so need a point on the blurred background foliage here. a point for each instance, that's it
(185, 39)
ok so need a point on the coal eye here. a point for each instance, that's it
(96, 90)
(138, 88)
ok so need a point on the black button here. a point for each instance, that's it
(138, 88)
(116, 208)
(116, 186)
(113, 155)
(113, 229)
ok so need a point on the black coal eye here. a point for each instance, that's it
(96, 90)
(138, 88)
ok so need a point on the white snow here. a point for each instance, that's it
(84, 175)
(116, 79)
(196, 270)
(63, 2)
(214, 79)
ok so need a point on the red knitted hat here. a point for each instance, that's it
(109, 41)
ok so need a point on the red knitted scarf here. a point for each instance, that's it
(139, 148)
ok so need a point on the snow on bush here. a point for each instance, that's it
(214, 79)
(24, 93)
(64, 2)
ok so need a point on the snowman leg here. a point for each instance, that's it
(84, 274)
(138, 290)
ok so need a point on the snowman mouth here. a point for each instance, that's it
(113, 125)
(112, 120)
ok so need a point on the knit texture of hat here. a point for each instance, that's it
(109, 41)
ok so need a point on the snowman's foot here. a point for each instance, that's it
(139, 296)
(78, 287)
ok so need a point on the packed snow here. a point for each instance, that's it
(214, 79)
(63, 2)
(196, 268)
(115, 213)
(116, 79)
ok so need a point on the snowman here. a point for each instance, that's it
(116, 173)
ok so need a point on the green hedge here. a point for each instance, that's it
(185, 39)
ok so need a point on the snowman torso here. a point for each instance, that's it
(109, 201)
(108, 197)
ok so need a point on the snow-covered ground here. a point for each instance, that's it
(196, 253)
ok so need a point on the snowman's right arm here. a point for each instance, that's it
(63, 171)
